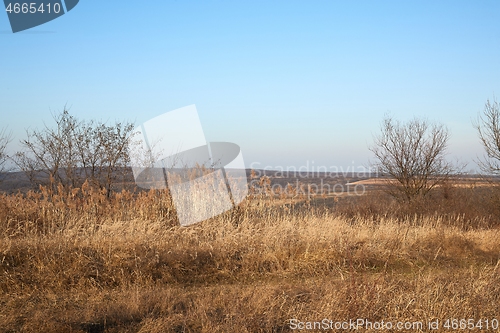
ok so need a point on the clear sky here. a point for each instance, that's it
(294, 83)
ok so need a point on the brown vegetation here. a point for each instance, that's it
(83, 261)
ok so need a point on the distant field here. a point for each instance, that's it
(458, 181)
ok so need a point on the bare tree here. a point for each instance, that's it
(109, 149)
(5, 139)
(49, 154)
(76, 151)
(488, 128)
(413, 155)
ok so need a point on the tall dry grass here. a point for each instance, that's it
(77, 261)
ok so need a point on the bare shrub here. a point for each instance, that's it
(413, 155)
(487, 125)
(5, 139)
(76, 151)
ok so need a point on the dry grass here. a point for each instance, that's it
(79, 262)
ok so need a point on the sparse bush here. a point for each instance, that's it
(76, 151)
(413, 155)
(5, 139)
(488, 128)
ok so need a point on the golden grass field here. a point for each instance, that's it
(80, 262)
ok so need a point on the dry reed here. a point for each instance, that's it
(78, 261)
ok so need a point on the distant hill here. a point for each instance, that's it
(13, 182)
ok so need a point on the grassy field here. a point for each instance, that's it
(80, 262)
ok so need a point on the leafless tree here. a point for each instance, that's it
(76, 151)
(5, 139)
(49, 155)
(110, 150)
(487, 125)
(413, 155)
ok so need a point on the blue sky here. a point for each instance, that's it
(292, 82)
